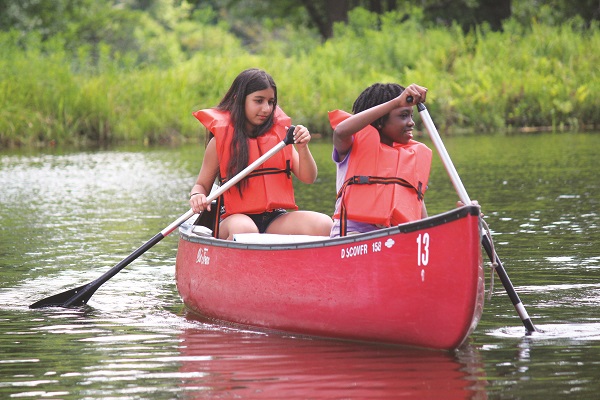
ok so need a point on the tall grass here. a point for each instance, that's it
(539, 76)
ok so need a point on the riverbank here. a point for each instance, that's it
(523, 79)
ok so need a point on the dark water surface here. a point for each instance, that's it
(66, 217)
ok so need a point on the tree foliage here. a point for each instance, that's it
(322, 15)
(133, 32)
(103, 69)
(122, 22)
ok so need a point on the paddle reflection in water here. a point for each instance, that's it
(240, 364)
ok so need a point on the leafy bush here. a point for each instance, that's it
(139, 79)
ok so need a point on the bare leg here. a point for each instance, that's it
(236, 223)
(302, 223)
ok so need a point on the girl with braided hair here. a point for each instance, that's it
(382, 173)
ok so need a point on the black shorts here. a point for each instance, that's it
(263, 220)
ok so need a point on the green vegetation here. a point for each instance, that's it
(139, 78)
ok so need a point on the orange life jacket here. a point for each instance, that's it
(269, 186)
(384, 185)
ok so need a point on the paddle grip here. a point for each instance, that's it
(289, 136)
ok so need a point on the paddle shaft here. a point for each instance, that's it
(79, 296)
(464, 197)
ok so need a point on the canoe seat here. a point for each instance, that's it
(270, 238)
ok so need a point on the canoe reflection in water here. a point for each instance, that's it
(224, 363)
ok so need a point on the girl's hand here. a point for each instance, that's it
(199, 203)
(301, 136)
(418, 93)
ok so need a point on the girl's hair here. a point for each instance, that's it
(234, 101)
(374, 95)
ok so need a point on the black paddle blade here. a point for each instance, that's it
(71, 298)
(79, 296)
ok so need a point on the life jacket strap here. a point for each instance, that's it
(267, 171)
(370, 180)
(217, 221)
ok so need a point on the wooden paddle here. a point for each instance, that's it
(464, 197)
(79, 296)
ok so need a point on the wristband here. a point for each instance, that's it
(193, 194)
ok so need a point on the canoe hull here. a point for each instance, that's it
(418, 284)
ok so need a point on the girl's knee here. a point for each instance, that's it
(317, 224)
(323, 225)
(302, 223)
(237, 223)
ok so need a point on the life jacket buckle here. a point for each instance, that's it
(362, 180)
(420, 194)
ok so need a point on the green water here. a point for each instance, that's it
(68, 216)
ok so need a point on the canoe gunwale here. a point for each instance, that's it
(426, 223)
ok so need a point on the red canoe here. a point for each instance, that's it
(418, 284)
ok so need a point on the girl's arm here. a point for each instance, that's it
(206, 178)
(342, 135)
(303, 163)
